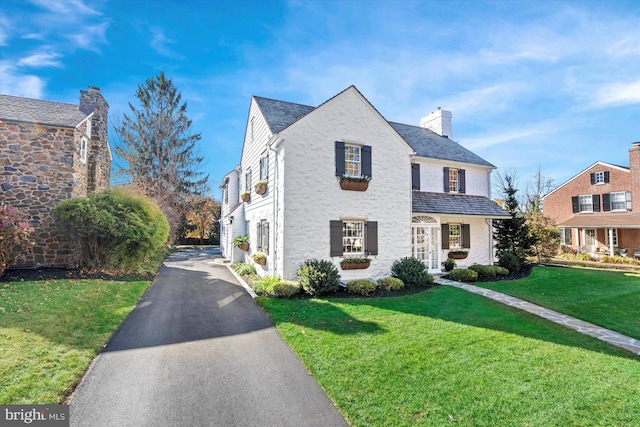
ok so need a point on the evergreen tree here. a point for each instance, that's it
(512, 235)
(158, 147)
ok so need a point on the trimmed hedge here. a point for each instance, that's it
(362, 287)
(286, 289)
(463, 275)
(489, 271)
(391, 284)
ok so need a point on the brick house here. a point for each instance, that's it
(598, 210)
(49, 152)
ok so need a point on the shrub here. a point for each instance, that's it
(244, 269)
(265, 285)
(488, 271)
(501, 271)
(411, 271)
(510, 261)
(113, 229)
(318, 277)
(620, 260)
(362, 287)
(463, 275)
(565, 249)
(391, 284)
(14, 235)
(286, 289)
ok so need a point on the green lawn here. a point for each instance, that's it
(50, 331)
(445, 357)
(606, 298)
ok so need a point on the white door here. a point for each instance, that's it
(424, 242)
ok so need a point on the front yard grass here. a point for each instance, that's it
(610, 299)
(445, 356)
(50, 331)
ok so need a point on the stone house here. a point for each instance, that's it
(49, 152)
(598, 209)
(339, 181)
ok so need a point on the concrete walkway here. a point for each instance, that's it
(602, 334)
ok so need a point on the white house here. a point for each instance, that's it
(426, 194)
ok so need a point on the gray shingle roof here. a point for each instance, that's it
(427, 143)
(280, 114)
(460, 204)
(26, 110)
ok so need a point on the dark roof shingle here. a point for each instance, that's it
(27, 110)
(280, 114)
(459, 204)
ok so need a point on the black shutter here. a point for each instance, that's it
(366, 161)
(259, 237)
(371, 237)
(445, 236)
(606, 202)
(627, 197)
(446, 180)
(339, 158)
(335, 231)
(606, 177)
(593, 178)
(461, 181)
(575, 204)
(466, 236)
(415, 176)
(596, 202)
(265, 238)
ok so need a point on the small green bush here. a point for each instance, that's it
(318, 277)
(286, 289)
(463, 275)
(510, 261)
(620, 260)
(362, 287)
(391, 284)
(244, 269)
(411, 271)
(489, 271)
(265, 285)
(501, 271)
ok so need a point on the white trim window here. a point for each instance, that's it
(586, 203)
(83, 150)
(353, 237)
(614, 232)
(565, 236)
(455, 236)
(618, 201)
(453, 180)
(599, 177)
(352, 160)
(247, 180)
(264, 167)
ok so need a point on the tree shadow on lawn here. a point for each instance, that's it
(456, 305)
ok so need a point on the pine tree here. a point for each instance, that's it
(512, 235)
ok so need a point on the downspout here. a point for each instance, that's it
(492, 257)
(271, 146)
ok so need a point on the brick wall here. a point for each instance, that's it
(634, 162)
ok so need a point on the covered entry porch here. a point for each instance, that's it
(603, 235)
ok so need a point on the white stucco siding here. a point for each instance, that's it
(312, 196)
(431, 176)
(481, 251)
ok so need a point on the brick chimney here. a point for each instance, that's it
(634, 167)
(438, 121)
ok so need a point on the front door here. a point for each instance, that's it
(424, 244)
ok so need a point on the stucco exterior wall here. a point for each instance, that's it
(313, 197)
(477, 178)
(481, 250)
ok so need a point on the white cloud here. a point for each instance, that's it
(160, 43)
(90, 37)
(14, 83)
(66, 7)
(38, 60)
(503, 135)
(615, 94)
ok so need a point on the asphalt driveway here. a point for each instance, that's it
(198, 351)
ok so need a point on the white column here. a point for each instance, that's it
(584, 239)
(610, 230)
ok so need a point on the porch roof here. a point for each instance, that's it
(603, 220)
(458, 204)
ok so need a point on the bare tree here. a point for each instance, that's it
(538, 187)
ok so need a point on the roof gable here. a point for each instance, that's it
(27, 110)
(576, 176)
(280, 114)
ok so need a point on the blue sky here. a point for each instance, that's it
(550, 84)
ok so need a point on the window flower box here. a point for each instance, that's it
(242, 242)
(259, 258)
(260, 187)
(458, 254)
(355, 263)
(245, 196)
(351, 183)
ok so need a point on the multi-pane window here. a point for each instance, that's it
(263, 236)
(614, 233)
(618, 201)
(453, 179)
(455, 236)
(83, 150)
(352, 160)
(353, 237)
(565, 236)
(264, 167)
(599, 177)
(247, 181)
(586, 203)
(591, 240)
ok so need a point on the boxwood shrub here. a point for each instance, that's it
(286, 289)
(489, 271)
(391, 283)
(318, 277)
(362, 287)
(463, 275)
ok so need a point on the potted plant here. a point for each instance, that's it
(355, 263)
(458, 254)
(354, 183)
(260, 187)
(449, 264)
(242, 242)
(245, 196)
(259, 258)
